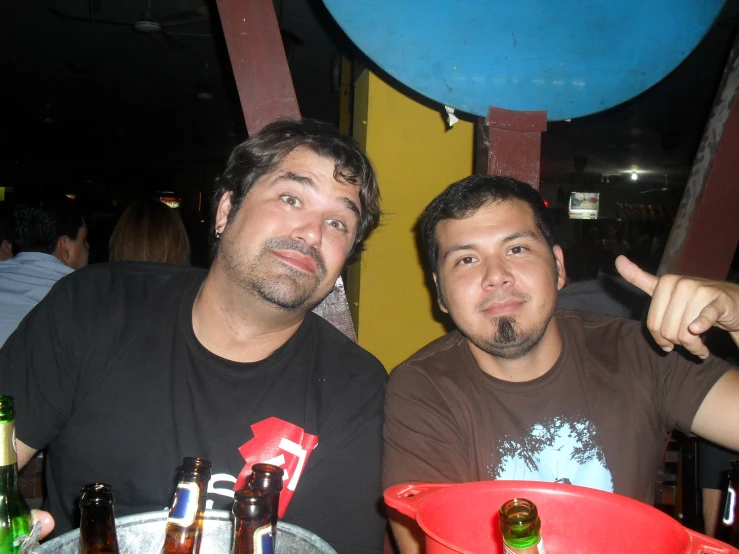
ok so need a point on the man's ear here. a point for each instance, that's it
(560, 261)
(224, 208)
(62, 249)
(439, 296)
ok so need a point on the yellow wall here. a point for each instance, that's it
(416, 157)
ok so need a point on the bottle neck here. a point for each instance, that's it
(8, 455)
(97, 528)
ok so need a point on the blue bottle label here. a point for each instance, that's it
(185, 505)
(263, 540)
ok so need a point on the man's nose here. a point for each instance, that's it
(309, 230)
(497, 274)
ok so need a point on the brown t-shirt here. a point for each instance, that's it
(598, 418)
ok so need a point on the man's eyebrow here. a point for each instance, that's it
(308, 182)
(300, 179)
(521, 235)
(457, 248)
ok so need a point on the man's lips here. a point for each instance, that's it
(297, 260)
(506, 307)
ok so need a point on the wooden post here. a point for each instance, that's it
(509, 143)
(706, 229)
(258, 60)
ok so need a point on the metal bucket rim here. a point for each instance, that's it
(210, 515)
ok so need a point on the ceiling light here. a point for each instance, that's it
(634, 176)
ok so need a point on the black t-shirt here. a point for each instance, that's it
(108, 373)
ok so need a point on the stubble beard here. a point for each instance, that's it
(274, 282)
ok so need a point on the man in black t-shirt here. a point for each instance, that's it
(124, 369)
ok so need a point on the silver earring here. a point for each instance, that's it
(218, 234)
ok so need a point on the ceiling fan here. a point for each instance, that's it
(147, 25)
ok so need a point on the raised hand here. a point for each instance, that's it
(683, 308)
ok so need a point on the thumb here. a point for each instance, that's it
(635, 275)
(47, 522)
(705, 320)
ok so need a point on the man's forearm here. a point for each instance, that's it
(25, 453)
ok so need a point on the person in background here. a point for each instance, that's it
(521, 392)
(51, 237)
(6, 238)
(126, 368)
(592, 290)
(149, 231)
(713, 460)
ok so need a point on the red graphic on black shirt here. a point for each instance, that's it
(280, 443)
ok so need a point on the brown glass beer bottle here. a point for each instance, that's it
(268, 479)
(730, 518)
(521, 527)
(252, 523)
(97, 521)
(185, 520)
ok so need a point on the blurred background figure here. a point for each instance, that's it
(6, 237)
(51, 237)
(150, 231)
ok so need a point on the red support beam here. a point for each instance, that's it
(258, 60)
(706, 230)
(510, 144)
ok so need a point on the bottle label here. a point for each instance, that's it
(185, 505)
(7, 444)
(263, 540)
(730, 507)
(537, 548)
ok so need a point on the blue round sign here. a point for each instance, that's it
(569, 57)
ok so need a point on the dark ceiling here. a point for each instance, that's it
(91, 101)
(92, 104)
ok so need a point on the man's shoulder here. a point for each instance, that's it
(335, 344)
(604, 336)
(34, 265)
(140, 273)
(571, 320)
(437, 358)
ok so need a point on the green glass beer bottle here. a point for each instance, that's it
(252, 523)
(730, 518)
(185, 520)
(15, 515)
(521, 527)
(97, 520)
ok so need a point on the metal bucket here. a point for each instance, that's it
(144, 534)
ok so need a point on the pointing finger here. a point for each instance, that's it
(635, 275)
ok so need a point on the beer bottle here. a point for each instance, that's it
(521, 526)
(185, 521)
(97, 522)
(252, 523)
(268, 479)
(15, 516)
(730, 518)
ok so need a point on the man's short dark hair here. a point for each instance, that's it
(40, 224)
(465, 197)
(266, 150)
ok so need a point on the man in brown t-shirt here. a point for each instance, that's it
(519, 392)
